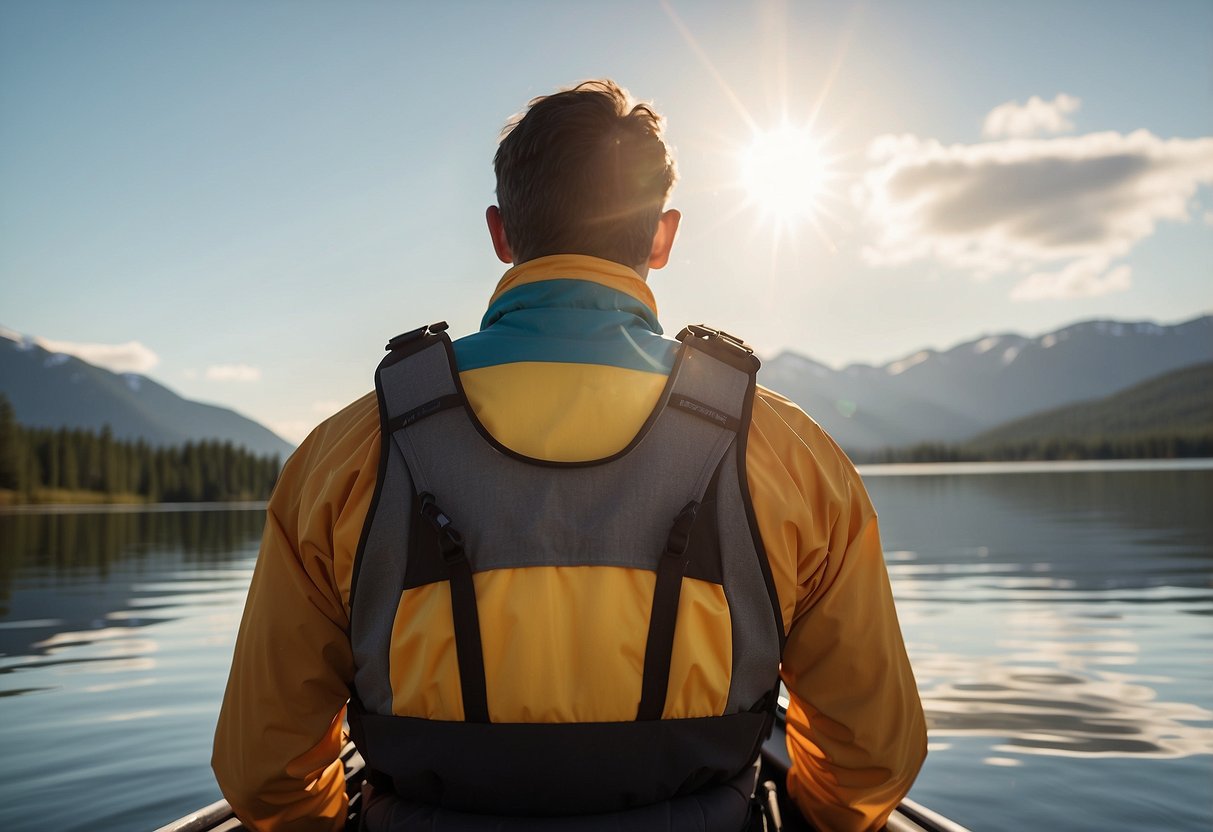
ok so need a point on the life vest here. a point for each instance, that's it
(451, 501)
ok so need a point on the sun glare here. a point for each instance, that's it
(785, 173)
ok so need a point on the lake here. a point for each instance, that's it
(1059, 619)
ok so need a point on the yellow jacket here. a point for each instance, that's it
(567, 366)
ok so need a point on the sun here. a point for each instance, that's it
(785, 173)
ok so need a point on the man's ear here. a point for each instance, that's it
(663, 240)
(497, 231)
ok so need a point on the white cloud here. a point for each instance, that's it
(1036, 117)
(232, 372)
(1081, 279)
(131, 357)
(1059, 210)
(292, 430)
(296, 430)
(1209, 218)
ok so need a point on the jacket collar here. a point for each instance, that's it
(629, 293)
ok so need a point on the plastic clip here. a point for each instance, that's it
(680, 535)
(413, 334)
(721, 345)
(449, 537)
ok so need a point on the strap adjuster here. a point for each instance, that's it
(721, 345)
(449, 538)
(704, 331)
(413, 334)
(680, 534)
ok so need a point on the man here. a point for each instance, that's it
(541, 623)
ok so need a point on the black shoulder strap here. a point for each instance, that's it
(722, 346)
(393, 410)
(425, 358)
(736, 353)
(718, 391)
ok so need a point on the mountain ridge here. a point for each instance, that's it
(1178, 403)
(954, 394)
(973, 342)
(52, 389)
(930, 395)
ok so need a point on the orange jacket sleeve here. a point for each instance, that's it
(279, 737)
(856, 732)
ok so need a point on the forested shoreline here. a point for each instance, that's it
(62, 465)
(51, 465)
(1142, 446)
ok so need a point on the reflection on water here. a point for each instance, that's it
(1088, 711)
(1059, 625)
(115, 635)
(1059, 617)
(70, 575)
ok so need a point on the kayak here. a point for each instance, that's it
(909, 816)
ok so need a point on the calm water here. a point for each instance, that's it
(1060, 623)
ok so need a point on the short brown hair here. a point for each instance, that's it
(583, 171)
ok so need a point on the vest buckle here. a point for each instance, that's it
(680, 534)
(722, 346)
(413, 334)
(449, 538)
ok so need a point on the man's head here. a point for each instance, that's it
(584, 171)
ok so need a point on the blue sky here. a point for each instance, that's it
(244, 200)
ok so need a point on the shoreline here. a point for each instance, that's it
(1035, 466)
(128, 508)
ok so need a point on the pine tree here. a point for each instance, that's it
(10, 454)
(194, 482)
(30, 480)
(108, 475)
(90, 479)
(52, 467)
(69, 459)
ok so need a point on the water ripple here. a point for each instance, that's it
(1073, 715)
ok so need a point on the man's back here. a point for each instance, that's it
(569, 366)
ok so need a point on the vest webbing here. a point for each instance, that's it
(451, 501)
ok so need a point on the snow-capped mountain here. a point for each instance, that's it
(929, 395)
(955, 394)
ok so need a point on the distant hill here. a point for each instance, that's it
(957, 394)
(52, 390)
(1177, 403)
(948, 397)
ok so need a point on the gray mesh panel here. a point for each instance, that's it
(416, 380)
(615, 514)
(380, 576)
(712, 382)
(755, 640)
